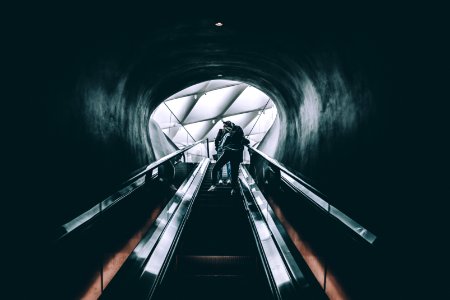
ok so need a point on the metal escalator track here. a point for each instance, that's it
(211, 245)
(216, 257)
(141, 273)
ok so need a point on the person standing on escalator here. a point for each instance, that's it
(232, 143)
(219, 150)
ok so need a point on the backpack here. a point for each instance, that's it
(235, 139)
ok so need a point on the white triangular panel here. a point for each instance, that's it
(173, 131)
(212, 104)
(195, 89)
(213, 132)
(218, 84)
(180, 106)
(262, 122)
(182, 138)
(163, 117)
(250, 99)
(242, 119)
(247, 129)
(199, 130)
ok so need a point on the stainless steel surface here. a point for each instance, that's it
(143, 249)
(283, 269)
(132, 184)
(162, 160)
(283, 168)
(166, 243)
(318, 198)
(354, 226)
(148, 260)
(98, 208)
(305, 191)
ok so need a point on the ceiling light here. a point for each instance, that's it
(219, 75)
(219, 24)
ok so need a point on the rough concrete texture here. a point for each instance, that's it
(349, 82)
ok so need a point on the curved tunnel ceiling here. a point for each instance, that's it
(101, 84)
(323, 99)
(356, 88)
(195, 113)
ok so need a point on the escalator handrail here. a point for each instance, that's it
(146, 265)
(283, 168)
(128, 185)
(160, 161)
(332, 211)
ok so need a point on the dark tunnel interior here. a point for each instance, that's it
(356, 96)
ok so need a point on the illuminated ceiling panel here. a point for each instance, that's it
(262, 121)
(250, 99)
(195, 89)
(200, 129)
(242, 119)
(196, 112)
(180, 107)
(183, 138)
(164, 117)
(220, 84)
(212, 104)
(211, 135)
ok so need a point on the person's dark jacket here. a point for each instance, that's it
(234, 141)
(219, 137)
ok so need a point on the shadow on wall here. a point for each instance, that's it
(99, 117)
(329, 133)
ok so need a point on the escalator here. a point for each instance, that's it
(211, 245)
(97, 247)
(216, 257)
(200, 244)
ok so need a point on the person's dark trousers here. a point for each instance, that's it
(233, 158)
(219, 174)
(234, 173)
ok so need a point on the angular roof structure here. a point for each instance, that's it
(196, 112)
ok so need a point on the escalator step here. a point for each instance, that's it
(218, 288)
(216, 265)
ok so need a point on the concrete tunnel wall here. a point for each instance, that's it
(326, 110)
(101, 93)
(86, 82)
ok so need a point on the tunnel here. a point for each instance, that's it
(348, 83)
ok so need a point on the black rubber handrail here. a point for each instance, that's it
(160, 161)
(157, 246)
(332, 211)
(283, 168)
(124, 189)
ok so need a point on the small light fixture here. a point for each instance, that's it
(213, 121)
(219, 75)
(219, 24)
